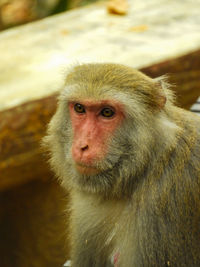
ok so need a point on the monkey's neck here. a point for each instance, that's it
(170, 148)
(170, 153)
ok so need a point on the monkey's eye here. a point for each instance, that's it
(79, 108)
(107, 112)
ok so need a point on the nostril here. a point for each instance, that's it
(84, 148)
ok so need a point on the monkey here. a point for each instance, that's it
(131, 160)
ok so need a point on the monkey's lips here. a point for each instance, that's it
(86, 169)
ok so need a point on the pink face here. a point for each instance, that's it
(93, 123)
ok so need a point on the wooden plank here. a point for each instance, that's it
(34, 56)
(34, 225)
(21, 130)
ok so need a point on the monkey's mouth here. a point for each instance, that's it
(86, 169)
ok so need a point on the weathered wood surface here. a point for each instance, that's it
(33, 225)
(33, 57)
(21, 130)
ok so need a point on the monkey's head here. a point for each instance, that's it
(108, 120)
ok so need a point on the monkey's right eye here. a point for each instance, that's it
(79, 108)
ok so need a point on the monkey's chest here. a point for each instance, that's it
(116, 231)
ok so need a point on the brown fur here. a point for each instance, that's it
(144, 205)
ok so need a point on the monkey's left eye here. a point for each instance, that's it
(79, 108)
(107, 112)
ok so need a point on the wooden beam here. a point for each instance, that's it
(21, 130)
(34, 56)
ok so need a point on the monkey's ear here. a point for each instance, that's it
(161, 101)
(160, 96)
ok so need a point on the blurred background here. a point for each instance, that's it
(17, 12)
(39, 41)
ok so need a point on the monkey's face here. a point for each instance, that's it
(108, 121)
(93, 125)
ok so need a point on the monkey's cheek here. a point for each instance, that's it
(86, 170)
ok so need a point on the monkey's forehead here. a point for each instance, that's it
(99, 80)
(115, 75)
(87, 91)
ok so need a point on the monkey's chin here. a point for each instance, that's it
(86, 170)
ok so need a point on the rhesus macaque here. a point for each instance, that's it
(131, 160)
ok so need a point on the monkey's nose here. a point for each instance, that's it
(84, 148)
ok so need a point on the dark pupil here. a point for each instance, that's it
(107, 112)
(79, 108)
